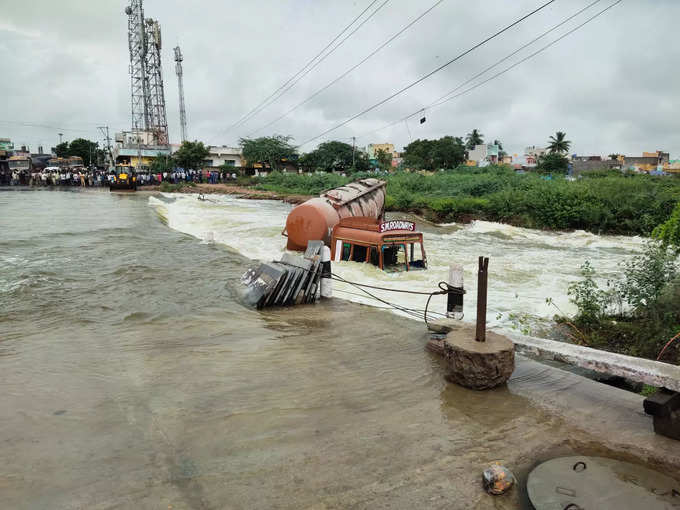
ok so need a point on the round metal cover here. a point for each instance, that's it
(597, 483)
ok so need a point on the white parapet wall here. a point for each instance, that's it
(640, 370)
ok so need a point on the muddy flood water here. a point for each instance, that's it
(132, 377)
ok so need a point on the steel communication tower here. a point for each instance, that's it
(180, 80)
(138, 82)
(146, 76)
(158, 122)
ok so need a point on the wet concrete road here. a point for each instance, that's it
(133, 378)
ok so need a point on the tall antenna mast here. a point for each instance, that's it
(146, 78)
(180, 81)
(158, 122)
(138, 82)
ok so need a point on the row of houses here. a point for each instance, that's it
(131, 146)
(657, 162)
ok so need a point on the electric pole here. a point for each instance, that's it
(60, 136)
(354, 139)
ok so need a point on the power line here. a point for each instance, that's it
(443, 99)
(43, 126)
(322, 59)
(422, 78)
(255, 110)
(333, 82)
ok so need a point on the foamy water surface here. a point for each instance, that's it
(527, 267)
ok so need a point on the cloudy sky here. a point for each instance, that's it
(611, 85)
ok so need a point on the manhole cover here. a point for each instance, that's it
(596, 483)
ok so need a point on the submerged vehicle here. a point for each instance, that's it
(314, 219)
(390, 245)
(123, 180)
(351, 221)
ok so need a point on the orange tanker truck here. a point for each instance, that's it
(351, 221)
(314, 219)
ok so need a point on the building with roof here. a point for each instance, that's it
(373, 148)
(133, 147)
(484, 154)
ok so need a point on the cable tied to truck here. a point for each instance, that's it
(444, 288)
(421, 314)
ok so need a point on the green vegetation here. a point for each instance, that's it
(88, 150)
(473, 138)
(168, 187)
(638, 313)
(335, 156)
(552, 163)
(669, 231)
(191, 155)
(447, 152)
(273, 150)
(559, 144)
(384, 159)
(162, 163)
(602, 202)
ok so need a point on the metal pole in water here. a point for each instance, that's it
(454, 301)
(482, 287)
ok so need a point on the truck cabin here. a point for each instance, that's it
(391, 245)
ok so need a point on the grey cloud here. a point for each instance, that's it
(611, 85)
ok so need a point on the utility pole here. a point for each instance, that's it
(60, 136)
(354, 139)
(180, 80)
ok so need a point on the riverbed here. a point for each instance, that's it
(134, 378)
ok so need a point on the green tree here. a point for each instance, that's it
(558, 144)
(473, 138)
(61, 150)
(447, 152)
(162, 163)
(269, 149)
(384, 159)
(86, 149)
(334, 156)
(191, 155)
(669, 231)
(552, 163)
(501, 152)
(614, 156)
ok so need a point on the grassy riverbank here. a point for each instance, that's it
(602, 202)
(638, 313)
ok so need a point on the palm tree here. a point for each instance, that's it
(472, 139)
(501, 152)
(558, 143)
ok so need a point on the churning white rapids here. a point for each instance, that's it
(527, 267)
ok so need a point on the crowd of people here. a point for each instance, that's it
(96, 177)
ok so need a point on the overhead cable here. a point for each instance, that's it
(441, 100)
(423, 78)
(316, 60)
(348, 71)
(445, 98)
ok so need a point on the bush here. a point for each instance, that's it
(609, 203)
(639, 313)
(590, 301)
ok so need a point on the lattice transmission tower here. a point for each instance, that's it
(180, 80)
(146, 75)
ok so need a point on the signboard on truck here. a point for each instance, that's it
(388, 226)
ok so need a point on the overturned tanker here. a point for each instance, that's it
(315, 218)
